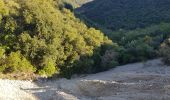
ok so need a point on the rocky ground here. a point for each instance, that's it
(140, 81)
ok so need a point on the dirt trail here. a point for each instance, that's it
(140, 81)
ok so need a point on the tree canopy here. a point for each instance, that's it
(45, 36)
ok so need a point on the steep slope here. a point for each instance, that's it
(44, 37)
(126, 14)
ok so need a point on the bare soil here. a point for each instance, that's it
(140, 81)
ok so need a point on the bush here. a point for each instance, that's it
(109, 59)
(16, 63)
(2, 51)
(84, 65)
(49, 68)
(2, 55)
(165, 51)
(138, 50)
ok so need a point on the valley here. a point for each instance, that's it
(140, 81)
(84, 50)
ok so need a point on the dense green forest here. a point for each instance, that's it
(140, 27)
(50, 37)
(126, 14)
(42, 37)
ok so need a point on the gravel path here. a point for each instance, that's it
(140, 81)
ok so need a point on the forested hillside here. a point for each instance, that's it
(43, 37)
(140, 27)
(126, 14)
(51, 40)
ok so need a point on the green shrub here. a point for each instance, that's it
(2, 68)
(49, 68)
(16, 63)
(84, 65)
(113, 63)
(165, 51)
(109, 59)
(2, 55)
(2, 51)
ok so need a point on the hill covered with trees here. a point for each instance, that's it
(140, 27)
(126, 14)
(43, 37)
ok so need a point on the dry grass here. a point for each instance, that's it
(19, 76)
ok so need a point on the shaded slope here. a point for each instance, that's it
(126, 14)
